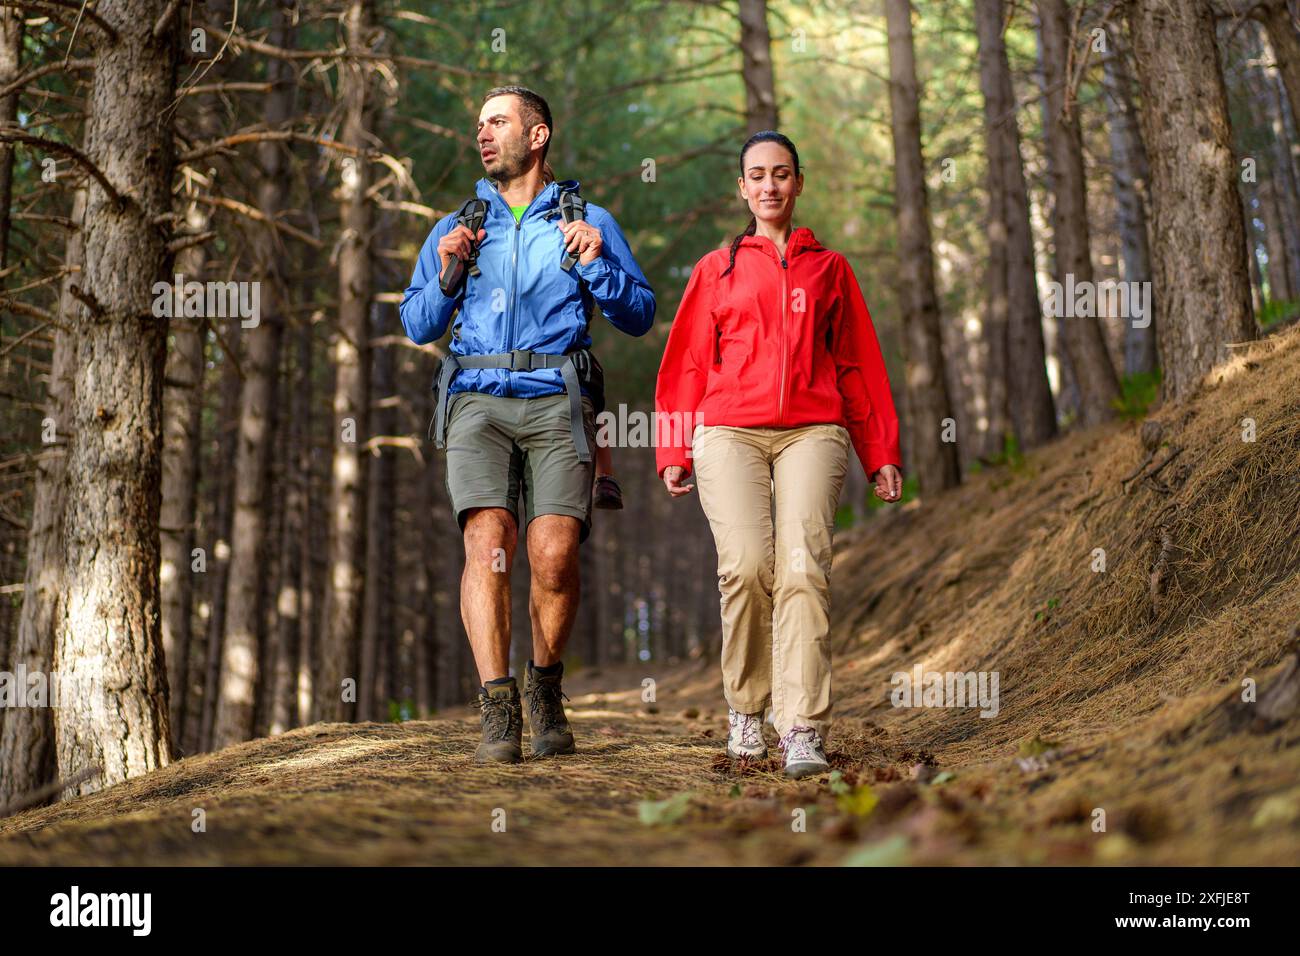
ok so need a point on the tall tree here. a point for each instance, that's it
(107, 640)
(756, 66)
(257, 414)
(28, 732)
(1085, 346)
(928, 405)
(1202, 281)
(347, 541)
(182, 420)
(1013, 290)
(1131, 175)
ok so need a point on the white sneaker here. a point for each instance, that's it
(746, 736)
(804, 756)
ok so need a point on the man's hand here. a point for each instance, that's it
(889, 484)
(673, 481)
(582, 238)
(456, 243)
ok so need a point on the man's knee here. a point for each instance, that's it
(553, 551)
(490, 536)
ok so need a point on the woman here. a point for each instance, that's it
(773, 353)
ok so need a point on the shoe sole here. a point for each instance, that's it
(554, 750)
(480, 758)
(797, 771)
(760, 755)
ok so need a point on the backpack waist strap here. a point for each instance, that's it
(571, 364)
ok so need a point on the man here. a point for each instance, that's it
(514, 414)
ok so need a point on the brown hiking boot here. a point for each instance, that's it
(547, 724)
(501, 712)
(607, 494)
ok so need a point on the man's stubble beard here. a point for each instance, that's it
(511, 162)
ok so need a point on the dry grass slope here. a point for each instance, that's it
(1123, 685)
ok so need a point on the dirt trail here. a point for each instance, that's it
(1120, 698)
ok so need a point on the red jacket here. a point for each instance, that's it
(775, 343)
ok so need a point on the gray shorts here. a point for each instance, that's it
(500, 448)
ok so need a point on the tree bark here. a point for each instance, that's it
(108, 644)
(1085, 346)
(756, 66)
(1013, 290)
(27, 742)
(1284, 35)
(928, 403)
(344, 585)
(182, 423)
(206, 667)
(1131, 175)
(257, 414)
(11, 58)
(1202, 281)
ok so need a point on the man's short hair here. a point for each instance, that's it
(533, 109)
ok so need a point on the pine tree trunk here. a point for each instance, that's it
(11, 58)
(756, 66)
(347, 545)
(27, 743)
(1131, 175)
(257, 415)
(108, 644)
(928, 402)
(1028, 395)
(1284, 35)
(206, 668)
(1202, 281)
(377, 628)
(1085, 345)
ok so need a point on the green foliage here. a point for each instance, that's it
(664, 812)
(401, 710)
(1137, 393)
(1045, 613)
(891, 851)
(1275, 311)
(858, 801)
(1036, 746)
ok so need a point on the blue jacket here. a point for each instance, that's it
(523, 299)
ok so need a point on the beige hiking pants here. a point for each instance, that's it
(770, 495)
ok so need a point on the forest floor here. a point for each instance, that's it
(1124, 619)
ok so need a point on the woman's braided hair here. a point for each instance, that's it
(765, 136)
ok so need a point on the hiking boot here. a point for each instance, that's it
(804, 756)
(547, 725)
(502, 714)
(608, 494)
(746, 736)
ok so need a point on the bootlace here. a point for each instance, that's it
(751, 733)
(497, 716)
(544, 697)
(801, 743)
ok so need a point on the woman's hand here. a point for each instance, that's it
(673, 481)
(889, 483)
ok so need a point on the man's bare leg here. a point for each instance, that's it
(553, 596)
(490, 539)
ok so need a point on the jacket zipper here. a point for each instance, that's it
(514, 281)
(510, 315)
(780, 410)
